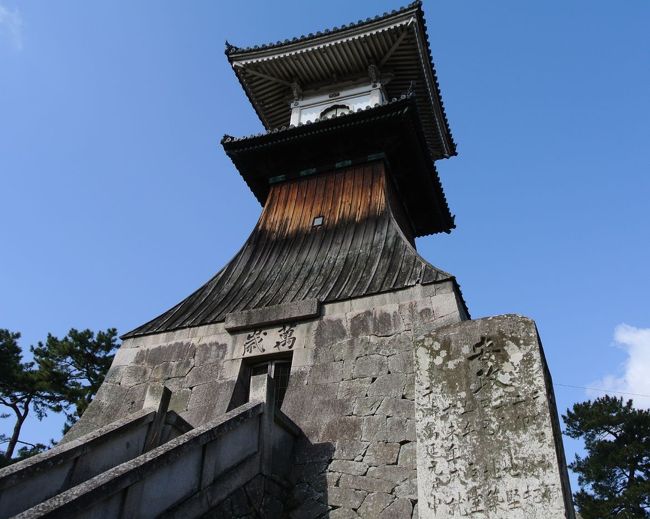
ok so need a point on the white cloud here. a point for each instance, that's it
(635, 376)
(11, 27)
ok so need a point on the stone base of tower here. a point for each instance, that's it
(402, 408)
(354, 399)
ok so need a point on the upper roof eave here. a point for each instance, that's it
(235, 53)
(277, 152)
(273, 115)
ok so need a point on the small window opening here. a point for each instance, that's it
(335, 110)
(318, 221)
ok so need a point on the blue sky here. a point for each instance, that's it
(118, 201)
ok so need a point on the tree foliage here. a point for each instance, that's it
(23, 387)
(76, 365)
(614, 476)
(63, 377)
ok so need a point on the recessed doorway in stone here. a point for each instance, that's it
(278, 369)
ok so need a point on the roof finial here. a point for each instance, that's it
(229, 48)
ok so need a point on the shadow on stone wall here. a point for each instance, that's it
(271, 497)
(308, 496)
(263, 497)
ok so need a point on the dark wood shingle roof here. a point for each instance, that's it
(359, 250)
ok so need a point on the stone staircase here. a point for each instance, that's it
(154, 464)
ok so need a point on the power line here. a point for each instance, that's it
(603, 390)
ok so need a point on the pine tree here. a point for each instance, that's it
(614, 476)
(22, 388)
(76, 365)
(63, 377)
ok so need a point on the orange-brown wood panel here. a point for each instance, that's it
(348, 195)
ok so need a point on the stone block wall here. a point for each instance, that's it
(351, 391)
(193, 368)
(353, 397)
(262, 496)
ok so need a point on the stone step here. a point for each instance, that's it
(41, 477)
(188, 475)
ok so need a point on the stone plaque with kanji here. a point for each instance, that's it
(488, 439)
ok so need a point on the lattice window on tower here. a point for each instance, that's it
(279, 370)
(310, 106)
(335, 111)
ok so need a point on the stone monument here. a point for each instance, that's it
(327, 370)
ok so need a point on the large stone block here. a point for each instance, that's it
(342, 428)
(360, 323)
(402, 362)
(386, 321)
(388, 385)
(381, 453)
(367, 406)
(210, 352)
(407, 489)
(342, 513)
(365, 483)
(349, 389)
(351, 348)
(373, 428)
(391, 473)
(202, 374)
(346, 497)
(349, 449)
(134, 375)
(400, 430)
(374, 504)
(327, 373)
(370, 366)
(398, 407)
(407, 455)
(329, 331)
(488, 440)
(397, 510)
(349, 467)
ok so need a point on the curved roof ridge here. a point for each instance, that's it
(397, 40)
(233, 49)
(278, 265)
(393, 101)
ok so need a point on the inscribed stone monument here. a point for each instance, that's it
(488, 441)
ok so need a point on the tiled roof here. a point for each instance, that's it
(341, 116)
(393, 130)
(232, 49)
(397, 42)
(359, 250)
